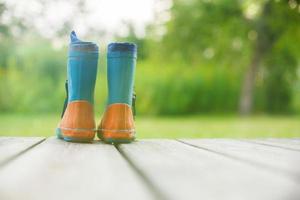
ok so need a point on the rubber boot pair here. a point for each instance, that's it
(117, 124)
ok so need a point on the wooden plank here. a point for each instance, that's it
(61, 170)
(285, 140)
(184, 172)
(275, 159)
(290, 144)
(11, 147)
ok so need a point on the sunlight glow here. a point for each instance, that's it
(99, 15)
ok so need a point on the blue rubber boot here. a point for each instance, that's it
(78, 123)
(117, 124)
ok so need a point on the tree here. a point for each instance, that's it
(274, 22)
(234, 33)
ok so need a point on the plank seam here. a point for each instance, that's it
(10, 159)
(292, 175)
(270, 145)
(150, 185)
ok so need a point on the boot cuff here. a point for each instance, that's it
(121, 49)
(77, 46)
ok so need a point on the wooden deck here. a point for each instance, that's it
(201, 169)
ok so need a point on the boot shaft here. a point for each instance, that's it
(78, 122)
(82, 69)
(121, 61)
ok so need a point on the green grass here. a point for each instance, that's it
(169, 127)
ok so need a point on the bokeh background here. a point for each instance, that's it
(206, 68)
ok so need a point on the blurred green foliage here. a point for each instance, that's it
(196, 66)
(178, 89)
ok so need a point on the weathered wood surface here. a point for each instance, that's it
(291, 144)
(182, 171)
(279, 160)
(10, 147)
(60, 170)
(34, 168)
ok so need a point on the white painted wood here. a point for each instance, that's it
(183, 172)
(60, 170)
(11, 147)
(292, 144)
(295, 141)
(275, 159)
